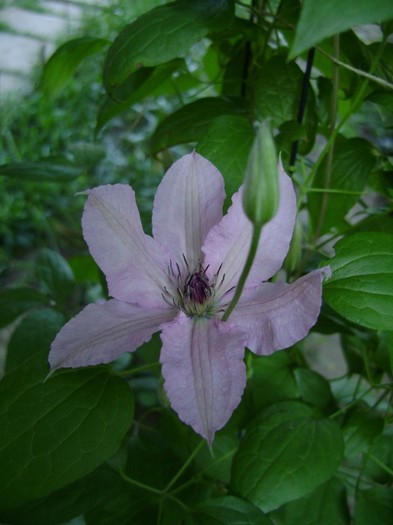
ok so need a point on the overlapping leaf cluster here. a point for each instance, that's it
(102, 444)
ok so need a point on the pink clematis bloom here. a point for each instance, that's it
(180, 281)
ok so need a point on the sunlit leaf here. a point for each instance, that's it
(162, 34)
(319, 20)
(62, 65)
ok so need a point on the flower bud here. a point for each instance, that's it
(261, 193)
(294, 254)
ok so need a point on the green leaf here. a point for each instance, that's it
(277, 93)
(163, 34)
(225, 510)
(85, 269)
(381, 456)
(33, 336)
(353, 162)
(374, 506)
(361, 286)
(217, 462)
(271, 380)
(319, 20)
(57, 431)
(16, 301)
(66, 503)
(64, 62)
(127, 506)
(50, 169)
(151, 462)
(138, 86)
(191, 122)
(285, 454)
(361, 426)
(326, 505)
(227, 143)
(314, 388)
(54, 275)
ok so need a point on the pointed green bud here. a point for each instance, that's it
(261, 193)
(294, 254)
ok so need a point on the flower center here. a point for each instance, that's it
(197, 288)
(192, 291)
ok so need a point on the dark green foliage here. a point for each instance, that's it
(143, 83)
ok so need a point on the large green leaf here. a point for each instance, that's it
(271, 380)
(16, 301)
(353, 162)
(138, 86)
(286, 453)
(225, 510)
(361, 286)
(276, 96)
(326, 505)
(319, 20)
(314, 388)
(68, 502)
(191, 122)
(50, 169)
(62, 65)
(163, 34)
(56, 431)
(33, 336)
(227, 144)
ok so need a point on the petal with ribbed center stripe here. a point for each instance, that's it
(204, 372)
(101, 332)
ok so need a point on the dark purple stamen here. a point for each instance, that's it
(197, 288)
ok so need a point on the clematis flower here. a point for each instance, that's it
(179, 282)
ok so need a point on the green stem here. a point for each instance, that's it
(139, 484)
(246, 270)
(148, 488)
(132, 371)
(185, 466)
(353, 107)
(380, 464)
(330, 153)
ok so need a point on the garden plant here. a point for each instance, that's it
(197, 269)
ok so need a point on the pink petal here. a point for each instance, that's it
(228, 242)
(188, 203)
(202, 364)
(101, 332)
(134, 263)
(275, 316)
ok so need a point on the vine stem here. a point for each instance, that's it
(132, 371)
(330, 153)
(246, 270)
(184, 466)
(355, 104)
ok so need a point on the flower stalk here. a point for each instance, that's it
(257, 230)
